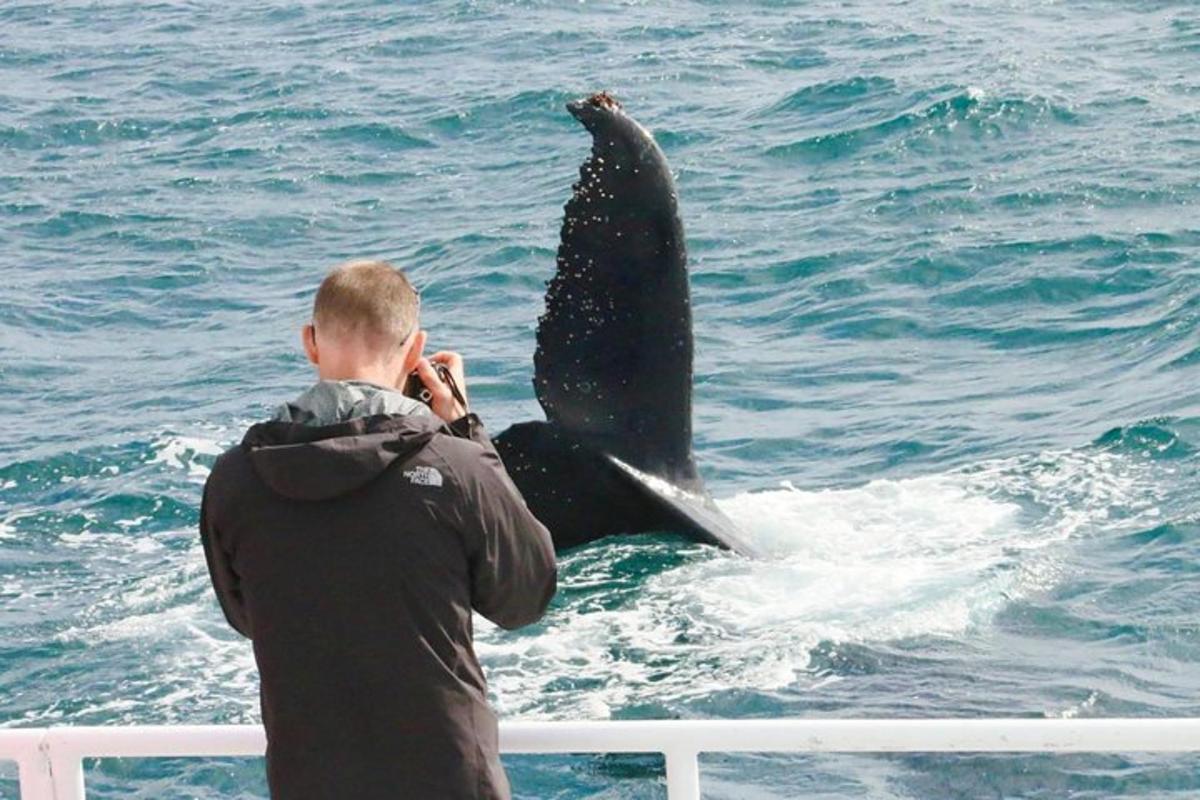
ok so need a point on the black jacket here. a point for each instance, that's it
(352, 555)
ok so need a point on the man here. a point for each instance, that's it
(350, 537)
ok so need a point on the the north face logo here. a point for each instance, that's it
(424, 476)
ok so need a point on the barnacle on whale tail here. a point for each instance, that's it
(604, 100)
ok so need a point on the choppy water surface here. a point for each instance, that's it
(945, 262)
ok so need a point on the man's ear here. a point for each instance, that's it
(415, 351)
(308, 335)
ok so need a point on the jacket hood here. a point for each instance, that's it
(337, 437)
(306, 462)
(327, 402)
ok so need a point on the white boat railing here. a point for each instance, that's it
(50, 760)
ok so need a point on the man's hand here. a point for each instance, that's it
(442, 399)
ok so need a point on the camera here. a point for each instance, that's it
(415, 388)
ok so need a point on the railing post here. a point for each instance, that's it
(33, 773)
(66, 764)
(683, 774)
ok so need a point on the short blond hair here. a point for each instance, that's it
(369, 299)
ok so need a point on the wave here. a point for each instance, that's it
(74, 221)
(376, 134)
(792, 58)
(969, 113)
(104, 471)
(833, 95)
(545, 105)
(196, 130)
(1187, 35)
(1161, 438)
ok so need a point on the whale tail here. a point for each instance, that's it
(613, 367)
(581, 493)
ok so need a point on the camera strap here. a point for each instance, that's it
(454, 390)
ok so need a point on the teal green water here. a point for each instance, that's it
(944, 265)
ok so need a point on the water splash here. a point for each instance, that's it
(932, 556)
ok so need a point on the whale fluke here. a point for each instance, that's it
(613, 367)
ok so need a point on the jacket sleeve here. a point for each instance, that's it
(224, 579)
(510, 553)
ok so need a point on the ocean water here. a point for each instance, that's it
(944, 267)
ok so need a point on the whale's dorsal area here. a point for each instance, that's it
(613, 367)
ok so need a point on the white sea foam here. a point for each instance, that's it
(889, 560)
(180, 452)
(112, 545)
(170, 617)
(1082, 709)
